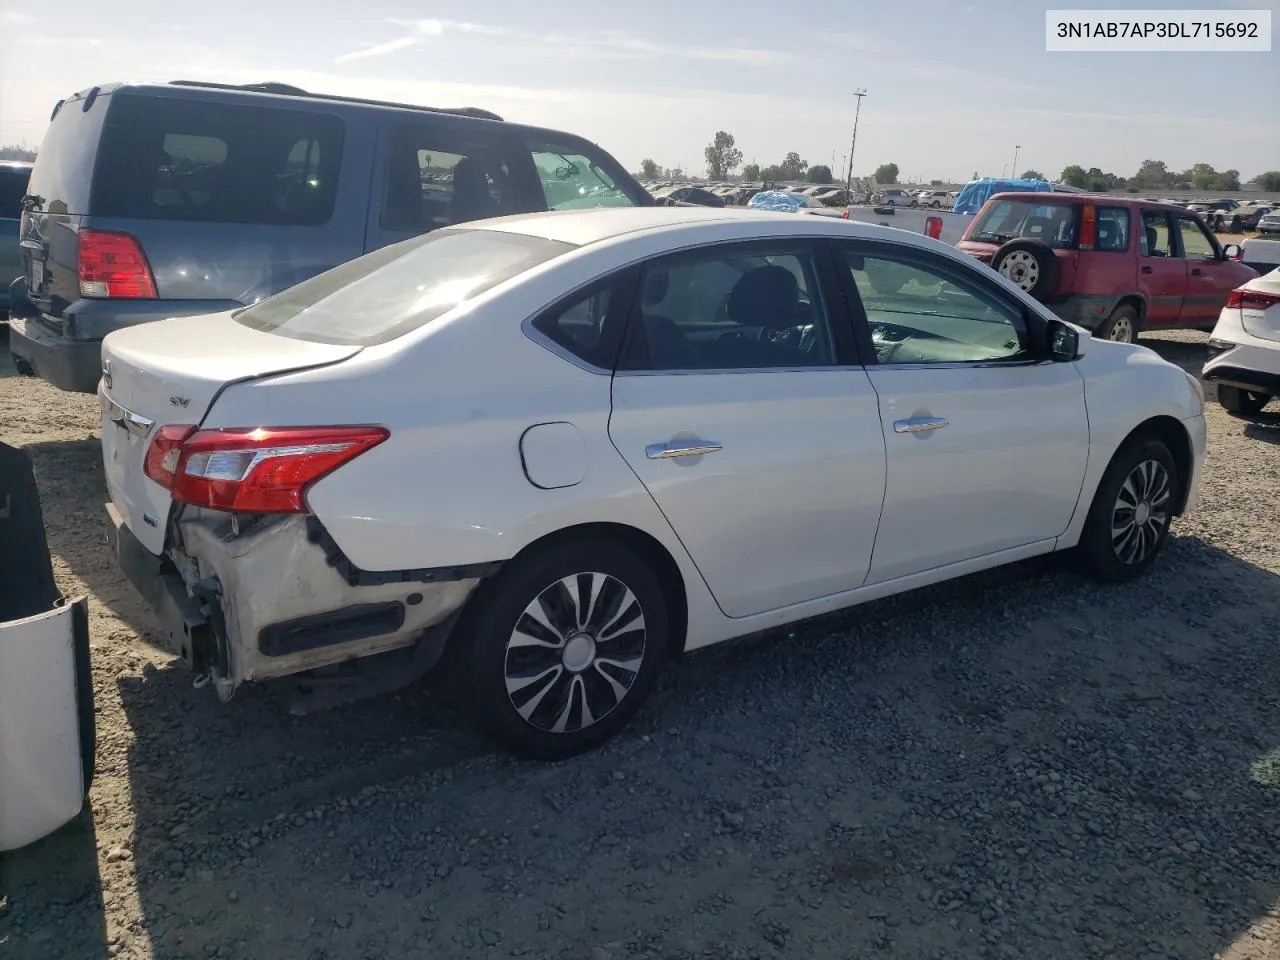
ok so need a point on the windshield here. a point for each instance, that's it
(391, 291)
(1003, 220)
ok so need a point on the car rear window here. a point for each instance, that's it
(1002, 220)
(13, 186)
(387, 293)
(165, 158)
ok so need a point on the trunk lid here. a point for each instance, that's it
(169, 373)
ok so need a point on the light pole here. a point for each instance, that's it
(848, 181)
(1013, 170)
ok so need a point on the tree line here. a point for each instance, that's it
(722, 157)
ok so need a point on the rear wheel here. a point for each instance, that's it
(1129, 519)
(564, 646)
(1121, 326)
(1240, 402)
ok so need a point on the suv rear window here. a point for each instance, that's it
(13, 186)
(186, 159)
(387, 293)
(1003, 220)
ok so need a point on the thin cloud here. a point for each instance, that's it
(607, 43)
(378, 50)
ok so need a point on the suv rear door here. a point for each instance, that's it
(1162, 275)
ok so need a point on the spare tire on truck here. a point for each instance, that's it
(1029, 264)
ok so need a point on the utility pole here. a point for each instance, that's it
(1013, 171)
(848, 182)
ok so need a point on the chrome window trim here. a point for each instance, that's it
(704, 371)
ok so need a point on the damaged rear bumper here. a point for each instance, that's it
(267, 600)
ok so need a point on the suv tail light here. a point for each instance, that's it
(112, 264)
(1252, 299)
(252, 470)
(1088, 226)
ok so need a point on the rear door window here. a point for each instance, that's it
(1003, 220)
(576, 178)
(187, 159)
(438, 175)
(1155, 240)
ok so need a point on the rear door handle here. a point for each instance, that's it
(1147, 270)
(920, 424)
(1196, 271)
(691, 448)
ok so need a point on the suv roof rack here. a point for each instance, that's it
(287, 90)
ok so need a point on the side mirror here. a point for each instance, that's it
(1065, 342)
(1232, 251)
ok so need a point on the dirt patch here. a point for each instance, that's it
(1019, 764)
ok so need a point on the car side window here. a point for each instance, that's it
(752, 306)
(571, 179)
(1113, 230)
(1155, 239)
(924, 311)
(589, 324)
(1196, 243)
(437, 177)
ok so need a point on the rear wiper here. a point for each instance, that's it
(997, 237)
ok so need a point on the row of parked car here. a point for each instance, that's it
(343, 339)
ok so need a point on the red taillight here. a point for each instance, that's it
(161, 462)
(252, 470)
(845, 215)
(933, 227)
(1252, 299)
(1088, 226)
(113, 265)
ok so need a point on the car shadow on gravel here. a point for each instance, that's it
(54, 877)
(1017, 764)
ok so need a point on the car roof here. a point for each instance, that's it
(280, 94)
(583, 227)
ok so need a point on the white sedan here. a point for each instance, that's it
(1244, 348)
(564, 447)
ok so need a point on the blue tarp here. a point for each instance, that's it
(977, 192)
(784, 201)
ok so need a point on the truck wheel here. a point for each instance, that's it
(1029, 264)
(1121, 326)
(1240, 402)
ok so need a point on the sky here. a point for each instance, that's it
(952, 86)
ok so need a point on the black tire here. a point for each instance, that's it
(499, 606)
(1122, 326)
(1240, 402)
(1107, 557)
(1013, 257)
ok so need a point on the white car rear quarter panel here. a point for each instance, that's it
(449, 486)
(1124, 387)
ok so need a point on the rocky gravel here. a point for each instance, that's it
(1019, 764)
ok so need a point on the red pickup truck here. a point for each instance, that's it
(1110, 264)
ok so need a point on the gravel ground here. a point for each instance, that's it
(1021, 764)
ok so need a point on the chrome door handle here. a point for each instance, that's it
(668, 451)
(919, 424)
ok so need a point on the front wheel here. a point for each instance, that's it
(564, 646)
(1129, 519)
(1240, 402)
